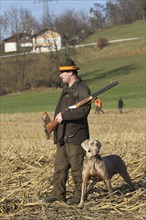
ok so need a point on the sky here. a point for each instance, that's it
(55, 6)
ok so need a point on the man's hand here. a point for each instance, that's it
(59, 118)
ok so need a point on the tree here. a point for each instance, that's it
(98, 15)
(20, 20)
(72, 26)
(3, 27)
(47, 19)
(112, 14)
(139, 9)
(125, 11)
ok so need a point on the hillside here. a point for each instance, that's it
(136, 29)
(122, 61)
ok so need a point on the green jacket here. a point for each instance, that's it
(74, 128)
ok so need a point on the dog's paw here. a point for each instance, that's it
(80, 206)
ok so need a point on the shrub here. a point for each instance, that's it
(102, 42)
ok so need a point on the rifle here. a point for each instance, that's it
(52, 124)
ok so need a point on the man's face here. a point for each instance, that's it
(66, 76)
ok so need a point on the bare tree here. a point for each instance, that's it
(3, 27)
(84, 27)
(47, 20)
(20, 23)
(72, 25)
(20, 20)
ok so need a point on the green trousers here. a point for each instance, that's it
(67, 157)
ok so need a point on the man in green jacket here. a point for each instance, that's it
(71, 131)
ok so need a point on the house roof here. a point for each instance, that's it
(44, 31)
(20, 35)
(48, 31)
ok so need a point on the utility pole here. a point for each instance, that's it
(45, 5)
(46, 15)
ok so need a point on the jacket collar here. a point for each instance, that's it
(73, 87)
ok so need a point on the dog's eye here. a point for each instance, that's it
(88, 150)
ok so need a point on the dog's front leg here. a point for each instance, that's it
(109, 187)
(84, 187)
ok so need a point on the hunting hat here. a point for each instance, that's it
(68, 65)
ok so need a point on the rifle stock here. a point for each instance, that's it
(83, 102)
(52, 124)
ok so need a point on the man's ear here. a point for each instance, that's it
(71, 73)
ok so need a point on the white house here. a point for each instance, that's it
(21, 40)
(43, 41)
(46, 40)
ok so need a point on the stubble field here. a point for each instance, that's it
(27, 160)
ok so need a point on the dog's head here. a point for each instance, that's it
(45, 117)
(92, 147)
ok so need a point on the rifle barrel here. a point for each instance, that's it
(94, 95)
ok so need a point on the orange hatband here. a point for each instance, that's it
(62, 68)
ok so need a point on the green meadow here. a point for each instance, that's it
(136, 29)
(122, 61)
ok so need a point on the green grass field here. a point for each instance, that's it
(137, 29)
(133, 96)
(123, 62)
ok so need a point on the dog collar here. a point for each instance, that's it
(97, 156)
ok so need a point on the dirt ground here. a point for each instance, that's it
(27, 160)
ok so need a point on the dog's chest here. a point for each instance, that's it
(94, 167)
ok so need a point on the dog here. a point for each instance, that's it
(46, 119)
(101, 168)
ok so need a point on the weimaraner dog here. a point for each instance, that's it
(101, 168)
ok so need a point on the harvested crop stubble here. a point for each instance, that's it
(27, 161)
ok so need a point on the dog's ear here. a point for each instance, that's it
(98, 144)
(94, 147)
(85, 145)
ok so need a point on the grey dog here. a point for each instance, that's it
(101, 168)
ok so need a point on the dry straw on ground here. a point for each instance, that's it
(27, 160)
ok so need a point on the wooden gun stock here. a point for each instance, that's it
(51, 125)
